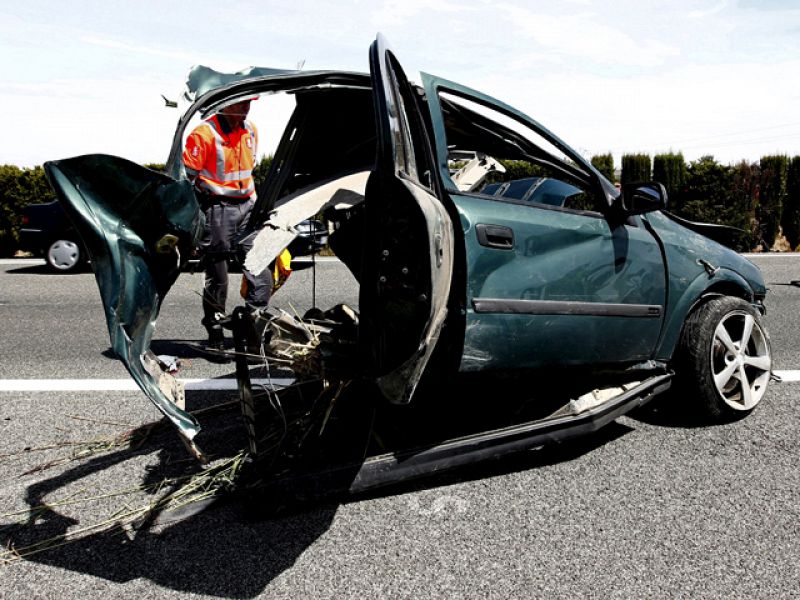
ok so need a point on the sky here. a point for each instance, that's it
(716, 77)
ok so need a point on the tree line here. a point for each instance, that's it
(762, 198)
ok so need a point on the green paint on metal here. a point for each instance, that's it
(122, 211)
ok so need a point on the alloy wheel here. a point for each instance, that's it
(740, 360)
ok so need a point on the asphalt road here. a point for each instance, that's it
(651, 506)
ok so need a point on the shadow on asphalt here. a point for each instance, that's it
(191, 267)
(674, 410)
(184, 349)
(45, 270)
(236, 546)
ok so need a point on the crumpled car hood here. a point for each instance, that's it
(139, 227)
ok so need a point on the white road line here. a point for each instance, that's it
(123, 385)
(770, 254)
(195, 385)
(303, 260)
(788, 376)
(21, 261)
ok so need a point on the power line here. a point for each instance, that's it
(747, 141)
(734, 133)
(712, 144)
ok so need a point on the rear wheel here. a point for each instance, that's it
(64, 256)
(726, 357)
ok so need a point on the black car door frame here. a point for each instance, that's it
(409, 245)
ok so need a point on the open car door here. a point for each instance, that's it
(408, 263)
(139, 227)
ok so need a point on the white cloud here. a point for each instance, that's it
(585, 36)
(137, 49)
(627, 75)
(707, 12)
(731, 111)
(400, 12)
(217, 61)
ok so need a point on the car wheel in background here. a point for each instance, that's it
(725, 355)
(64, 256)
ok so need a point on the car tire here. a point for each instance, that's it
(725, 358)
(64, 256)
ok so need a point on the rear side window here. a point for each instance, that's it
(492, 154)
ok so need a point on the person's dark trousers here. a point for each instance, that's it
(224, 219)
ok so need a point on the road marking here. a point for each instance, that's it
(770, 254)
(125, 385)
(192, 385)
(788, 376)
(303, 260)
(22, 261)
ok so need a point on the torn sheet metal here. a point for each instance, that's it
(161, 374)
(170, 364)
(122, 210)
(279, 230)
(204, 79)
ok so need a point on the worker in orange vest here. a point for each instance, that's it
(219, 158)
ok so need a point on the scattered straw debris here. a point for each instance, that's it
(132, 439)
(177, 492)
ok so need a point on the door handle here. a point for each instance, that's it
(495, 236)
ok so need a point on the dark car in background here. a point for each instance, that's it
(47, 231)
(312, 236)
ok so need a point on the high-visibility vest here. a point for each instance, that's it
(222, 163)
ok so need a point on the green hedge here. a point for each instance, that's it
(18, 188)
(772, 191)
(790, 219)
(605, 164)
(261, 169)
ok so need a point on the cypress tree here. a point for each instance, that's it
(772, 191)
(708, 190)
(790, 220)
(670, 170)
(635, 168)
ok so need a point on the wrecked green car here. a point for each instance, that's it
(509, 294)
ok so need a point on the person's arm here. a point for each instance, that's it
(194, 155)
(255, 143)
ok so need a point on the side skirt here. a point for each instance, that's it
(389, 468)
(386, 469)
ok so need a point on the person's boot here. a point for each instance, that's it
(215, 346)
(216, 338)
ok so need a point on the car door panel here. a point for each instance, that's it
(409, 240)
(572, 291)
